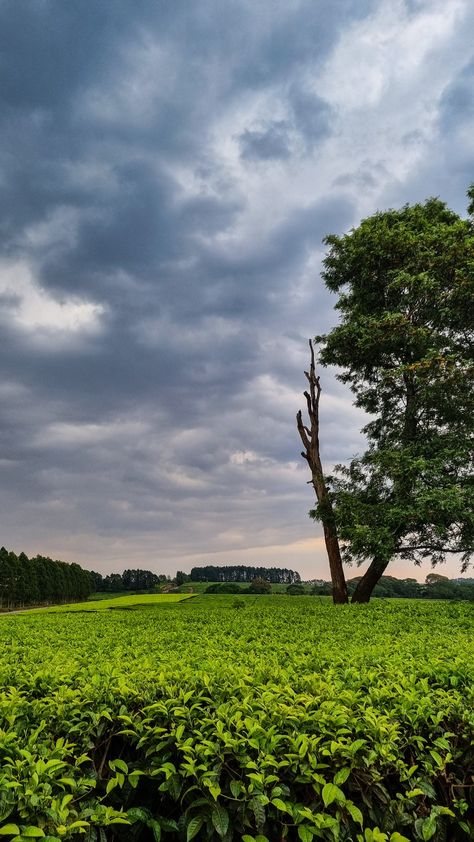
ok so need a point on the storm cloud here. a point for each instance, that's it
(168, 171)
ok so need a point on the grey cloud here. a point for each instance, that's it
(269, 143)
(311, 114)
(448, 169)
(457, 102)
(292, 37)
(366, 177)
(309, 121)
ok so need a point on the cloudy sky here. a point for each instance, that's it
(168, 169)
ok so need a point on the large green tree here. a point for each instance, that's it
(405, 345)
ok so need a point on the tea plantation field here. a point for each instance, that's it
(118, 602)
(284, 719)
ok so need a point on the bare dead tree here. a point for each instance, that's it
(310, 438)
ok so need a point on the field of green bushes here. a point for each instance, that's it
(201, 587)
(116, 602)
(256, 718)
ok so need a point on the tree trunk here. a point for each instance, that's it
(402, 488)
(367, 583)
(339, 586)
(310, 439)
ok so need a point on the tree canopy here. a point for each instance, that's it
(129, 580)
(243, 573)
(32, 581)
(405, 345)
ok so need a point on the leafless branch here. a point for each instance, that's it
(309, 435)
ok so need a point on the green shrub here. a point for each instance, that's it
(296, 590)
(260, 586)
(223, 587)
(238, 603)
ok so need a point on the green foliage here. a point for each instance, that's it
(321, 589)
(131, 601)
(436, 587)
(243, 573)
(296, 590)
(131, 580)
(238, 604)
(201, 587)
(289, 720)
(223, 587)
(31, 581)
(259, 585)
(405, 344)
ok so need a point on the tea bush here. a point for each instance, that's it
(286, 720)
(128, 601)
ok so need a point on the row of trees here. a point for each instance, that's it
(129, 580)
(434, 587)
(240, 573)
(405, 346)
(40, 580)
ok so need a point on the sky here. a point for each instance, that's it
(168, 171)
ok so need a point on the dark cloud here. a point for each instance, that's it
(311, 114)
(457, 101)
(309, 120)
(269, 143)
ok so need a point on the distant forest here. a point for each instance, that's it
(40, 580)
(129, 580)
(243, 573)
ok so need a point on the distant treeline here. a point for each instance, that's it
(434, 587)
(244, 573)
(129, 580)
(40, 580)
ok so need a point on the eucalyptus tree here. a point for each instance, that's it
(28, 581)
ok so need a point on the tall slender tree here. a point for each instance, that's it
(324, 511)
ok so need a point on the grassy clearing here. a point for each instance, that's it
(287, 719)
(132, 601)
(106, 595)
(200, 587)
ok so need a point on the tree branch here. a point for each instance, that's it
(310, 437)
(302, 429)
(435, 547)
